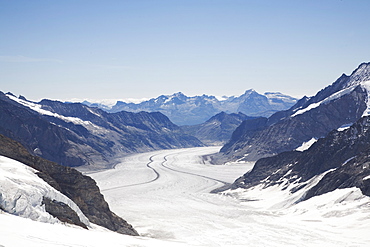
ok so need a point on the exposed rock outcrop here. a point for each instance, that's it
(218, 129)
(343, 156)
(62, 212)
(79, 188)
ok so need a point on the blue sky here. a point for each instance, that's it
(141, 49)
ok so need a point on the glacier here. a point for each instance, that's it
(175, 208)
(178, 205)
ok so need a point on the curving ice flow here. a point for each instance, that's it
(166, 196)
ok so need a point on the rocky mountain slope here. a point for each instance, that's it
(340, 160)
(184, 110)
(74, 134)
(340, 104)
(218, 129)
(67, 195)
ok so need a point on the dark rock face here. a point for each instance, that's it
(76, 135)
(343, 155)
(79, 188)
(218, 129)
(36, 133)
(62, 211)
(342, 103)
(184, 110)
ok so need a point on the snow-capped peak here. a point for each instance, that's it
(280, 96)
(345, 85)
(249, 92)
(360, 75)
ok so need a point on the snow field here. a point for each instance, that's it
(19, 232)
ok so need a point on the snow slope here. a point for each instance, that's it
(165, 195)
(22, 192)
(365, 85)
(19, 232)
(306, 145)
(28, 224)
(326, 100)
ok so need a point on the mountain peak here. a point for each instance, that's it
(250, 91)
(179, 94)
(191, 110)
(11, 94)
(361, 74)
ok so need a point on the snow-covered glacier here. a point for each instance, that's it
(166, 196)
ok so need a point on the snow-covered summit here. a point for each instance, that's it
(360, 75)
(344, 85)
(277, 97)
(190, 110)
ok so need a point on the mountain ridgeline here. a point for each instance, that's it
(340, 104)
(73, 134)
(184, 110)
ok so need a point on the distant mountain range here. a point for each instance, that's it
(73, 134)
(184, 110)
(338, 105)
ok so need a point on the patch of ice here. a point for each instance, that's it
(223, 98)
(344, 127)
(366, 86)
(306, 145)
